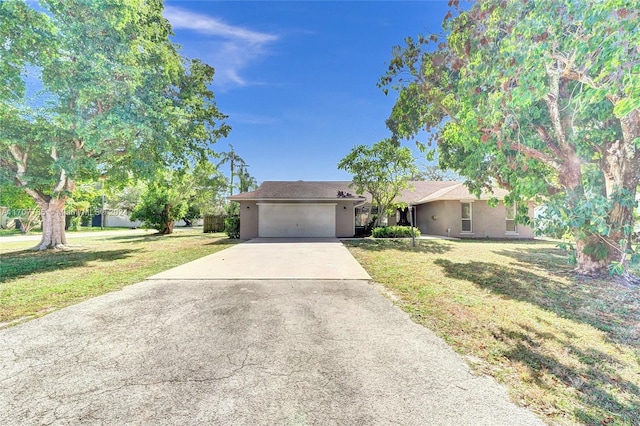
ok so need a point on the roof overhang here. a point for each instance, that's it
(297, 200)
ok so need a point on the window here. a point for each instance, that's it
(466, 217)
(511, 219)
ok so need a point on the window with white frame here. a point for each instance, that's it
(511, 226)
(466, 218)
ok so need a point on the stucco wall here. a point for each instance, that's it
(248, 220)
(345, 219)
(121, 222)
(486, 221)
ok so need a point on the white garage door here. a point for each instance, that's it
(296, 220)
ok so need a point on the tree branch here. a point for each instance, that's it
(551, 99)
(21, 162)
(537, 155)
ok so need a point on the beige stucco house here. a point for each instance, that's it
(332, 209)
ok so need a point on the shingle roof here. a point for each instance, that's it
(460, 192)
(420, 192)
(300, 190)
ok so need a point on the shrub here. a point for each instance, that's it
(75, 223)
(395, 232)
(232, 226)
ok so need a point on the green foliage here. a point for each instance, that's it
(20, 206)
(542, 98)
(115, 97)
(125, 198)
(15, 198)
(238, 168)
(383, 170)
(395, 232)
(210, 188)
(431, 172)
(164, 201)
(75, 223)
(232, 227)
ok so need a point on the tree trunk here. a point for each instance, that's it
(592, 256)
(621, 171)
(165, 221)
(53, 217)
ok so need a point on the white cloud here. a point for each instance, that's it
(229, 49)
(181, 18)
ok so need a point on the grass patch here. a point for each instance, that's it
(34, 283)
(567, 348)
(10, 232)
(38, 231)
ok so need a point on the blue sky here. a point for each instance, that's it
(298, 78)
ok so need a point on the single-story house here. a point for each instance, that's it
(333, 209)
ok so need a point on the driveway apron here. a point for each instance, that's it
(309, 342)
(274, 258)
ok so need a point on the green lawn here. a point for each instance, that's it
(34, 283)
(38, 231)
(567, 348)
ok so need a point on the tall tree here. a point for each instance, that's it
(116, 99)
(383, 170)
(235, 162)
(246, 182)
(542, 97)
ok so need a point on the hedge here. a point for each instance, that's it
(395, 232)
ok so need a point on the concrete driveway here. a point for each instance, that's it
(242, 352)
(274, 258)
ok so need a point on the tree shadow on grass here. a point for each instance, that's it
(422, 246)
(567, 298)
(157, 237)
(554, 260)
(23, 263)
(146, 237)
(542, 277)
(610, 304)
(595, 381)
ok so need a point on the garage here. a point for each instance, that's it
(296, 220)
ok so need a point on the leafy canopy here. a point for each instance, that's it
(164, 200)
(383, 170)
(114, 97)
(541, 97)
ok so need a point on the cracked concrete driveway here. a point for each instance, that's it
(241, 352)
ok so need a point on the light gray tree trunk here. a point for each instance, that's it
(53, 224)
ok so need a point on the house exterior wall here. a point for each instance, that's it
(248, 220)
(345, 219)
(487, 221)
(121, 222)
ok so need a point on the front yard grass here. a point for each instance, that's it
(567, 348)
(35, 283)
